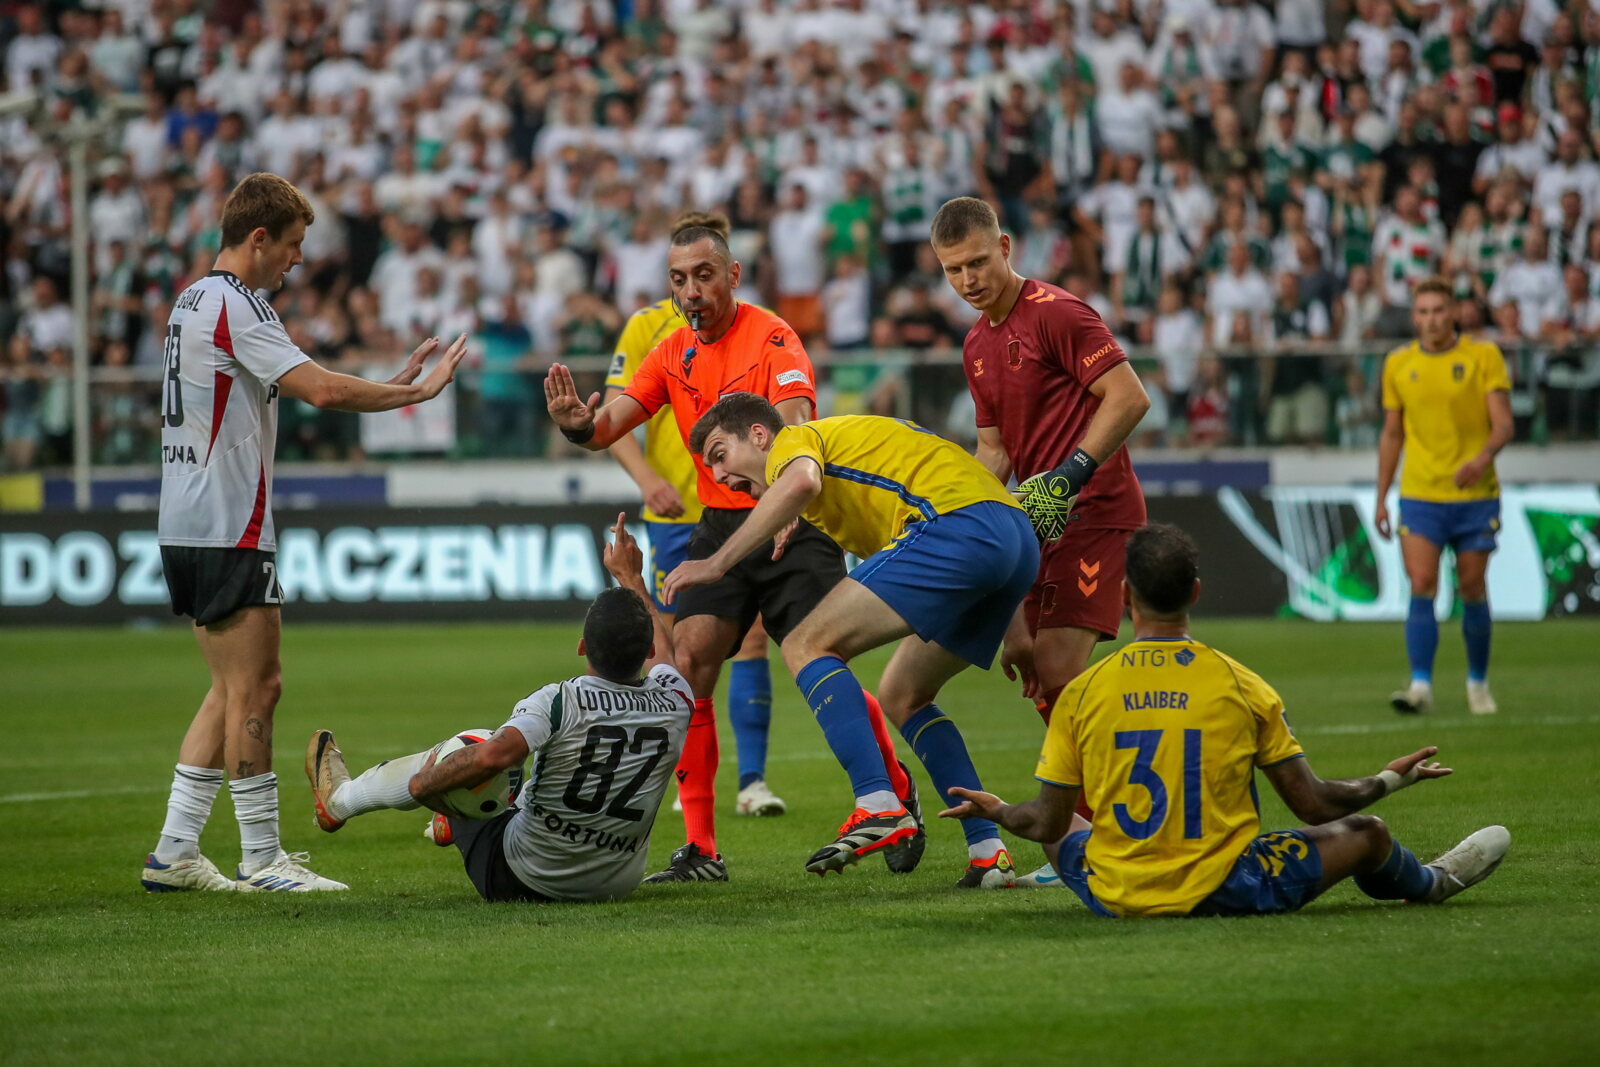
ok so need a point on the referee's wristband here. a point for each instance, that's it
(579, 437)
(1394, 781)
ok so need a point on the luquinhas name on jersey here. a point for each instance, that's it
(639, 700)
(582, 835)
(178, 454)
(1175, 699)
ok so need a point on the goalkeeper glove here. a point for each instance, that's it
(1048, 498)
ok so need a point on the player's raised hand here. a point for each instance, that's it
(781, 541)
(685, 575)
(413, 368)
(1380, 519)
(623, 558)
(561, 398)
(975, 804)
(445, 371)
(1415, 767)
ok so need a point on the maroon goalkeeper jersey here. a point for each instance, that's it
(1030, 378)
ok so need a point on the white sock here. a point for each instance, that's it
(879, 800)
(255, 805)
(194, 789)
(386, 786)
(987, 849)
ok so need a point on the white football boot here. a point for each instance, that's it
(181, 875)
(287, 875)
(1469, 862)
(1045, 877)
(757, 799)
(1414, 699)
(1479, 700)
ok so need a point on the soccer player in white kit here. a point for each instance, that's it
(604, 746)
(227, 359)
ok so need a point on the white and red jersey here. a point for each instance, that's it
(224, 353)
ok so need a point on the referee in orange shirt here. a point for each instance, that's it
(728, 346)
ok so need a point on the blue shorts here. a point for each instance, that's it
(1464, 525)
(956, 579)
(669, 546)
(1277, 872)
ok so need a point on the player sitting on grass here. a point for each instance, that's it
(604, 745)
(1164, 737)
(948, 557)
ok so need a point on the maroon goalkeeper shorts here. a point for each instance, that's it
(1080, 582)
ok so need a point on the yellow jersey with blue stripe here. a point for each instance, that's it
(1164, 737)
(879, 475)
(664, 449)
(1445, 400)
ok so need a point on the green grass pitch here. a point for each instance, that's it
(777, 966)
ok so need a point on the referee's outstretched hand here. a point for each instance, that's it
(561, 398)
(445, 371)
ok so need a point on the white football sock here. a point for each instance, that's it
(988, 848)
(386, 786)
(194, 789)
(879, 800)
(255, 805)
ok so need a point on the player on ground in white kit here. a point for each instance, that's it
(604, 746)
(227, 359)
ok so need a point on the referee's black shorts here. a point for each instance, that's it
(209, 584)
(781, 591)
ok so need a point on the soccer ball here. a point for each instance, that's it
(484, 801)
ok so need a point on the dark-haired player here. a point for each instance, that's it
(1055, 400)
(666, 476)
(227, 358)
(1165, 736)
(726, 346)
(947, 556)
(603, 744)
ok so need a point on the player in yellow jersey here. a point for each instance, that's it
(1164, 737)
(948, 558)
(665, 474)
(1447, 405)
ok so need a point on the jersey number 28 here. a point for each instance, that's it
(591, 782)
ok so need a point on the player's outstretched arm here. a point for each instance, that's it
(624, 561)
(586, 423)
(1318, 800)
(1046, 818)
(992, 453)
(323, 388)
(658, 494)
(468, 767)
(782, 503)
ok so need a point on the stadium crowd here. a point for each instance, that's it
(1248, 189)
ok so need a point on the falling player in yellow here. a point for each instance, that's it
(948, 556)
(665, 474)
(1164, 737)
(1447, 403)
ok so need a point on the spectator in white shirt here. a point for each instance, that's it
(847, 303)
(1238, 301)
(32, 52)
(795, 237)
(47, 324)
(1528, 283)
(1569, 171)
(1130, 114)
(1108, 46)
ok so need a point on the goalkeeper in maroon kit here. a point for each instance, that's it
(1056, 399)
